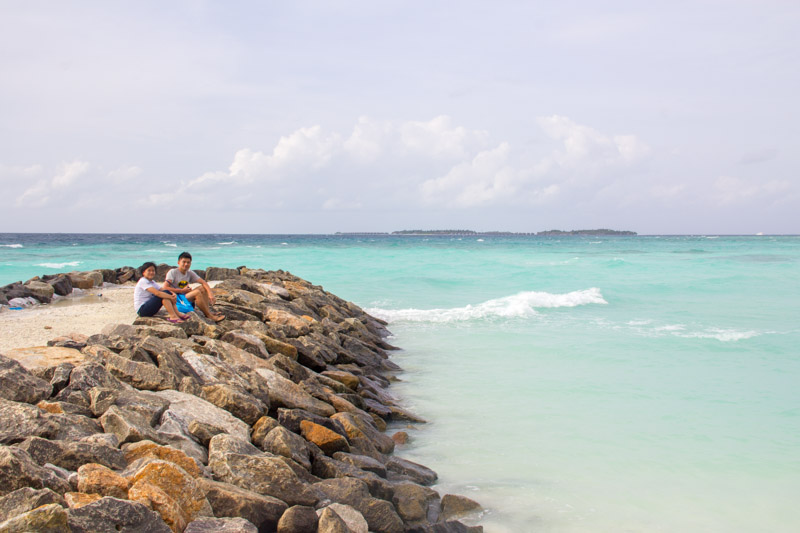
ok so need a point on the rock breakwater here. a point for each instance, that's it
(271, 420)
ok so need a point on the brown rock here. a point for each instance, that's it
(158, 500)
(19, 385)
(247, 342)
(41, 291)
(351, 517)
(283, 442)
(127, 425)
(51, 518)
(400, 438)
(221, 525)
(144, 448)
(330, 522)
(236, 401)
(284, 393)
(72, 455)
(346, 378)
(44, 356)
(298, 519)
(94, 478)
(415, 503)
(177, 484)
(76, 500)
(231, 501)
(109, 515)
(329, 441)
(261, 429)
(419, 473)
(454, 506)
(26, 499)
(18, 470)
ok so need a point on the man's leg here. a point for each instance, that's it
(200, 300)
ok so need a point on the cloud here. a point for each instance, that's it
(40, 193)
(733, 190)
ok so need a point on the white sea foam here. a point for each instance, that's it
(10, 246)
(231, 242)
(170, 244)
(724, 335)
(59, 265)
(522, 304)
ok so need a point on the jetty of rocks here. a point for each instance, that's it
(272, 420)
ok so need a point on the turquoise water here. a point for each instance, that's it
(571, 384)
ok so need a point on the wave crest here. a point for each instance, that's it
(518, 305)
(59, 265)
(10, 246)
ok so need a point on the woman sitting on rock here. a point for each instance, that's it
(148, 296)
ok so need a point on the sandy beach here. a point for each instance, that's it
(87, 313)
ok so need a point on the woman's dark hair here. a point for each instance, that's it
(146, 266)
(187, 255)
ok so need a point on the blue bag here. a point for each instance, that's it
(183, 305)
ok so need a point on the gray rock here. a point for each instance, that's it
(26, 499)
(143, 376)
(419, 473)
(221, 525)
(236, 401)
(110, 515)
(50, 518)
(41, 291)
(71, 455)
(281, 441)
(127, 425)
(231, 501)
(21, 420)
(219, 273)
(18, 470)
(61, 285)
(203, 432)
(184, 408)
(19, 385)
(351, 517)
(285, 393)
(330, 522)
(247, 342)
(379, 514)
(325, 467)
(74, 427)
(298, 519)
(363, 462)
(240, 463)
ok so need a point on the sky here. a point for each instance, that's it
(347, 116)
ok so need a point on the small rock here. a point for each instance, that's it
(221, 525)
(94, 478)
(454, 506)
(352, 518)
(298, 519)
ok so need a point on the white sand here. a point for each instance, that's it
(86, 314)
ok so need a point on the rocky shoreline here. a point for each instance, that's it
(271, 420)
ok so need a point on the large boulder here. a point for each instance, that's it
(72, 455)
(231, 501)
(298, 519)
(329, 441)
(351, 517)
(41, 291)
(185, 408)
(112, 515)
(219, 273)
(95, 478)
(379, 514)
(240, 463)
(19, 385)
(285, 393)
(18, 470)
(26, 499)
(47, 518)
(281, 441)
(128, 426)
(21, 420)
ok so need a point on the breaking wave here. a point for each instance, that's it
(10, 246)
(518, 305)
(59, 265)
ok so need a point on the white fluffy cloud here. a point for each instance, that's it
(39, 194)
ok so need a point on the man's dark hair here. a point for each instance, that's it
(187, 255)
(146, 266)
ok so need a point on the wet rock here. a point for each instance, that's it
(240, 463)
(95, 478)
(298, 519)
(351, 517)
(185, 408)
(419, 473)
(416, 504)
(51, 518)
(221, 525)
(127, 425)
(71, 455)
(21, 420)
(455, 506)
(26, 499)
(284, 393)
(112, 515)
(18, 470)
(281, 441)
(400, 438)
(19, 385)
(231, 501)
(329, 441)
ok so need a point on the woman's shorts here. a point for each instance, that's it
(151, 306)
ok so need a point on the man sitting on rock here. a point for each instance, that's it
(178, 280)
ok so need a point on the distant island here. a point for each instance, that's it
(548, 233)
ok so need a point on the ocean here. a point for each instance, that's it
(571, 384)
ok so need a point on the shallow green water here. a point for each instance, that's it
(573, 384)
